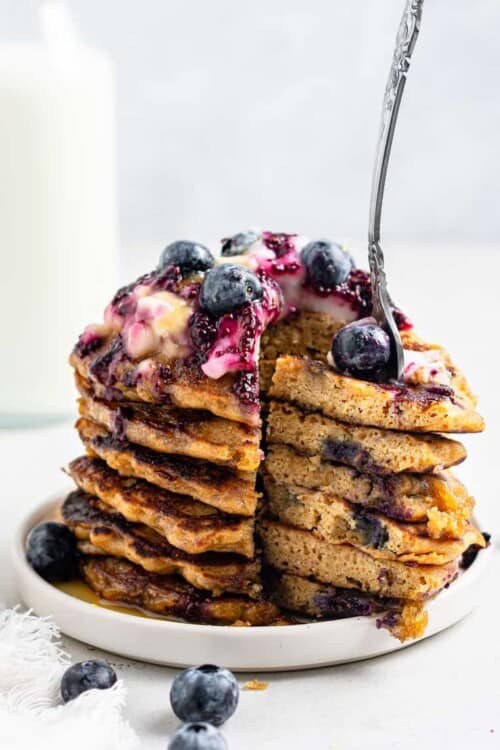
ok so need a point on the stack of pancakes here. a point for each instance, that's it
(164, 509)
(363, 513)
(350, 496)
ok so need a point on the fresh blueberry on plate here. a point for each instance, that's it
(361, 349)
(189, 257)
(197, 736)
(52, 552)
(239, 243)
(227, 287)
(327, 264)
(205, 693)
(86, 675)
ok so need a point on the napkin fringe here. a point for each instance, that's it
(32, 662)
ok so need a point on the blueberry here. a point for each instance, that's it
(197, 736)
(190, 257)
(52, 551)
(204, 693)
(327, 264)
(86, 675)
(239, 243)
(228, 287)
(362, 350)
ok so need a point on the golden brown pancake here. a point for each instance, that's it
(118, 580)
(367, 449)
(229, 490)
(109, 533)
(337, 521)
(186, 523)
(305, 554)
(316, 386)
(166, 429)
(439, 500)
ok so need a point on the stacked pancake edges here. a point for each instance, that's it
(240, 469)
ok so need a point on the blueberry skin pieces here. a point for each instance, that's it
(52, 551)
(86, 675)
(189, 257)
(206, 693)
(197, 736)
(239, 243)
(227, 287)
(327, 264)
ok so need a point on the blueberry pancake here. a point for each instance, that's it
(118, 580)
(185, 523)
(303, 553)
(185, 432)
(367, 449)
(405, 619)
(219, 486)
(100, 530)
(439, 500)
(316, 386)
(340, 522)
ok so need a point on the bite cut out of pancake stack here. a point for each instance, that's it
(362, 505)
(231, 473)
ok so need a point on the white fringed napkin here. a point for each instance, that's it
(31, 714)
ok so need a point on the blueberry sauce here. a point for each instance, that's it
(88, 342)
(279, 242)
(424, 395)
(119, 422)
(389, 620)
(103, 367)
(385, 577)
(158, 318)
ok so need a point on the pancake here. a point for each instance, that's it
(304, 554)
(366, 449)
(118, 580)
(439, 500)
(110, 533)
(404, 619)
(181, 431)
(187, 524)
(306, 334)
(180, 383)
(339, 522)
(316, 386)
(228, 490)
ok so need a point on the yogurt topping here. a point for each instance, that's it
(160, 314)
(425, 367)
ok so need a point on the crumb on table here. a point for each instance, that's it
(256, 685)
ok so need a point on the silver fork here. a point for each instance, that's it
(382, 308)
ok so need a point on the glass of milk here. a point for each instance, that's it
(57, 213)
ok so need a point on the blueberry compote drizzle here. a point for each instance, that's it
(88, 342)
(280, 243)
(135, 330)
(230, 343)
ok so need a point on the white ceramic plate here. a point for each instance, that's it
(179, 644)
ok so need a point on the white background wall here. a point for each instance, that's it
(235, 114)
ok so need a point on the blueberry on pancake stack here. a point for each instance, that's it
(209, 372)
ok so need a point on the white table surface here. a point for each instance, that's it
(444, 692)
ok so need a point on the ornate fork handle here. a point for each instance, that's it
(405, 44)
